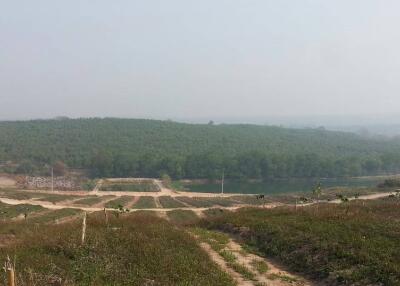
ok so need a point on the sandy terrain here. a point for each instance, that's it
(6, 182)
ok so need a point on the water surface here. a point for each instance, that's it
(282, 186)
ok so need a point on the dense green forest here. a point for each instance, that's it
(150, 148)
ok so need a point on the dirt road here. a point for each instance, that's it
(62, 205)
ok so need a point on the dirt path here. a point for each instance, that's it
(97, 187)
(53, 206)
(182, 202)
(158, 203)
(221, 263)
(250, 269)
(62, 204)
(46, 205)
(131, 203)
(274, 276)
(366, 197)
(103, 202)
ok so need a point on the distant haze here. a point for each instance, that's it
(227, 60)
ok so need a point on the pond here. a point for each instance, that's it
(282, 186)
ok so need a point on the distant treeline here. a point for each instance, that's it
(150, 148)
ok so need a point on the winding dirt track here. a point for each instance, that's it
(57, 206)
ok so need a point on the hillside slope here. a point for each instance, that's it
(122, 147)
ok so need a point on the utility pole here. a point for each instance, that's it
(52, 179)
(83, 228)
(222, 184)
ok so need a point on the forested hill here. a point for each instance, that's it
(133, 147)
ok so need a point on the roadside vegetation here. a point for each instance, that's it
(354, 243)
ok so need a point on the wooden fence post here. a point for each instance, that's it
(84, 228)
(106, 216)
(9, 268)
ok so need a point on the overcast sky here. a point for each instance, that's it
(199, 59)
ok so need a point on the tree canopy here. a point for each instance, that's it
(135, 147)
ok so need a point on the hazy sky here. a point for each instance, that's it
(208, 58)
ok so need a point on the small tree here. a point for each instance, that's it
(59, 168)
(345, 201)
(261, 197)
(166, 180)
(343, 198)
(317, 191)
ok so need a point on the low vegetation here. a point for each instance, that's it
(169, 202)
(91, 200)
(391, 183)
(182, 217)
(55, 216)
(119, 202)
(351, 243)
(260, 266)
(139, 186)
(9, 211)
(218, 242)
(145, 202)
(136, 249)
(197, 202)
(19, 195)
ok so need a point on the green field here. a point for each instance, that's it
(196, 202)
(145, 203)
(26, 195)
(169, 202)
(19, 195)
(137, 249)
(121, 201)
(91, 200)
(9, 211)
(55, 215)
(354, 243)
(139, 186)
(200, 202)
